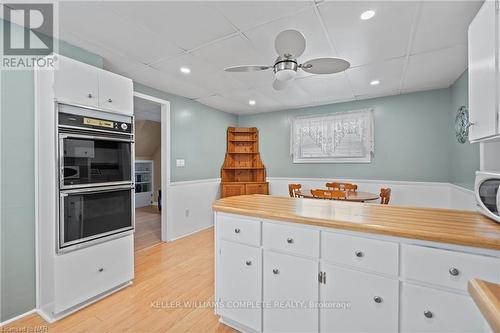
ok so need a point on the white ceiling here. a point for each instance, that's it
(408, 46)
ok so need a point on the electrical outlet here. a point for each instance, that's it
(186, 212)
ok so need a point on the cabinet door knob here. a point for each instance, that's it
(276, 271)
(89, 95)
(110, 100)
(248, 263)
(289, 240)
(454, 271)
(428, 314)
(100, 269)
(377, 299)
(237, 230)
(359, 254)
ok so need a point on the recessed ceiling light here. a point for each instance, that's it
(185, 70)
(252, 102)
(375, 82)
(367, 15)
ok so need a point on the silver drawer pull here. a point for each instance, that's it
(89, 95)
(428, 314)
(377, 299)
(237, 230)
(248, 263)
(276, 271)
(100, 269)
(110, 100)
(289, 240)
(359, 254)
(454, 271)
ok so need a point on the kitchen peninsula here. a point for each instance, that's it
(394, 268)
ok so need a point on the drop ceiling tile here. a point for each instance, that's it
(443, 24)
(222, 103)
(387, 72)
(437, 69)
(376, 95)
(306, 22)
(202, 74)
(232, 51)
(385, 36)
(263, 102)
(95, 22)
(326, 88)
(248, 14)
(187, 24)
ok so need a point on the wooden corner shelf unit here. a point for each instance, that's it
(243, 171)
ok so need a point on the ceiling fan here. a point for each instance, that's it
(290, 44)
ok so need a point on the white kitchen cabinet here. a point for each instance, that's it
(290, 293)
(428, 310)
(483, 73)
(354, 301)
(115, 93)
(241, 284)
(76, 82)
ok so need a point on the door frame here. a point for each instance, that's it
(166, 211)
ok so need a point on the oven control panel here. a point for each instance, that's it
(83, 122)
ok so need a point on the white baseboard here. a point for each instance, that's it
(191, 233)
(11, 320)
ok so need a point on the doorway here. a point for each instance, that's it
(151, 172)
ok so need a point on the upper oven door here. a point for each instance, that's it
(88, 160)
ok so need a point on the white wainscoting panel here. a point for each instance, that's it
(191, 201)
(191, 205)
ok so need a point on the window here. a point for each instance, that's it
(340, 137)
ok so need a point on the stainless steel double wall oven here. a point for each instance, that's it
(96, 183)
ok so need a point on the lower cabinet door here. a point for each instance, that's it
(256, 188)
(353, 301)
(428, 310)
(290, 293)
(229, 190)
(240, 286)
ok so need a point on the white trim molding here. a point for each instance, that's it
(13, 319)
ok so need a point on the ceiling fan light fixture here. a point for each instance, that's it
(286, 75)
(366, 15)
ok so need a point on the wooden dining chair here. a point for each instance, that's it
(328, 194)
(342, 186)
(385, 195)
(293, 188)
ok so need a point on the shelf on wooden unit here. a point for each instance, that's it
(236, 178)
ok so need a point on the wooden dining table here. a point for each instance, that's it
(354, 196)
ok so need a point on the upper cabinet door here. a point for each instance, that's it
(483, 73)
(76, 82)
(115, 93)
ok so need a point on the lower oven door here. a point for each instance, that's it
(88, 216)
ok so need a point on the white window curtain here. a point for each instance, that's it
(339, 137)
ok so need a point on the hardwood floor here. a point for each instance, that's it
(147, 227)
(181, 271)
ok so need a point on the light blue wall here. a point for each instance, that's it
(17, 212)
(464, 158)
(411, 139)
(198, 134)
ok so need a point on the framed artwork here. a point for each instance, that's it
(338, 137)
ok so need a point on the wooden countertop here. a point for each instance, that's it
(487, 298)
(439, 225)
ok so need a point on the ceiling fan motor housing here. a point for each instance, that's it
(285, 68)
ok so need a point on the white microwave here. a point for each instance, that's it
(487, 191)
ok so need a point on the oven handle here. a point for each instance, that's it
(83, 136)
(103, 189)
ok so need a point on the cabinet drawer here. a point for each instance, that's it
(370, 254)
(240, 280)
(291, 239)
(85, 273)
(239, 229)
(447, 268)
(428, 310)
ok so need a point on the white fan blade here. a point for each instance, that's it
(281, 85)
(250, 68)
(325, 65)
(290, 42)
